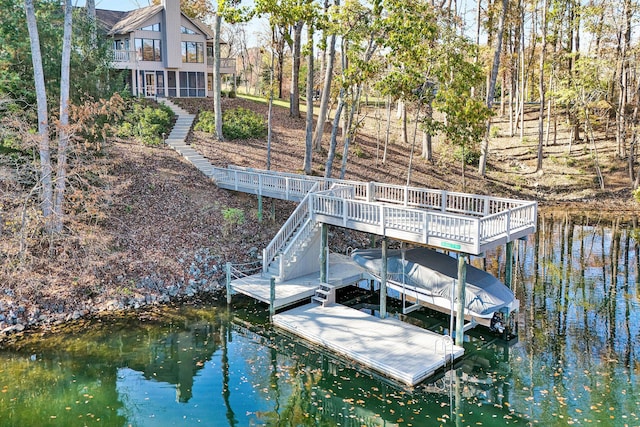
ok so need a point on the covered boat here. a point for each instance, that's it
(429, 278)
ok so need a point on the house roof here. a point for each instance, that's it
(116, 22)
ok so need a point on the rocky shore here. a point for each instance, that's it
(205, 282)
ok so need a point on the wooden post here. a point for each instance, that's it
(509, 265)
(272, 297)
(323, 253)
(228, 283)
(383, 282)
(259, 208)
(460, 303)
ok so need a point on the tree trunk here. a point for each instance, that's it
(308, 149)
(541, 87)
(217, 84)
(43, 118)
(294, 93)
(334, 136)
(484, 149)
(91, 15)
(350, 130)
(280, 70)
(387, 131)
(621, 113)
(326, 91)
(427, 151)
(270, 112)
(403, 118)
(63, 131)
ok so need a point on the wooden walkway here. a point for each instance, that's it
(395, 349)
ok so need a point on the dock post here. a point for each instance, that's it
(509, 265)
(228, 266)
(383, 282)
(272, 297)
(323, 253)
(460, 303)
(259, 207)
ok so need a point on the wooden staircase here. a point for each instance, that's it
(325, 295)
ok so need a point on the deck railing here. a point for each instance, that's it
(468, 219)
(295, 220)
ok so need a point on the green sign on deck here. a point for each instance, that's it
(450, 245)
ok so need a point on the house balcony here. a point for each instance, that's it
(227, 65)
(124, 59)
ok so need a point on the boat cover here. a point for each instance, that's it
(437, 273)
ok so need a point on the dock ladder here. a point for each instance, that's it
(325, 294)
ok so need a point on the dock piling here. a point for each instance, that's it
(228, 268)
(460, 300)
(383, 282)
(272, 297)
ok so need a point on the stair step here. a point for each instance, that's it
(319, 300)
(322, 291)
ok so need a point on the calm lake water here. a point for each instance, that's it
(576, 362)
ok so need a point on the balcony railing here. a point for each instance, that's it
(124, 55)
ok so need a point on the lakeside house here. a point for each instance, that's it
(167, 53)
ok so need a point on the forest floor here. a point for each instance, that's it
(150, 228)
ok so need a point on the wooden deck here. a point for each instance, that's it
(342, 272)
(398, 350)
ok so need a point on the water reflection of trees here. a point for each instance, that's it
(577, 280)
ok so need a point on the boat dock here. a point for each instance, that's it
(297, 266)
(396, 349)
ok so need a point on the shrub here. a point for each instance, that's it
(240, 123)
(206, 122)
(232, 94)
(471, 156)
(146, 123)
(233, 217)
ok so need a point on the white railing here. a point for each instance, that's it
(299, 215)
(124, 55)
(504, 223)
(472, 220)
(301, 236)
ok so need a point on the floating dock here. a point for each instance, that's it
(403, 352)
(343, 271)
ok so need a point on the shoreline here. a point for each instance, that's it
(19, 317)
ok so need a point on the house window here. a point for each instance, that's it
(192, 84)
(121, 44)
(148, 49)
(185, 30)
(192, 52)
(152, 27)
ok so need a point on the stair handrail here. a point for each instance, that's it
(301, 235)
(293, 222)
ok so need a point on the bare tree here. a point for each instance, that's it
(217, 85)
(326, 88)
(308, 151)
(63, 131)
(43, 116)
(484, 149)
(294, 93)
(541, 87)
